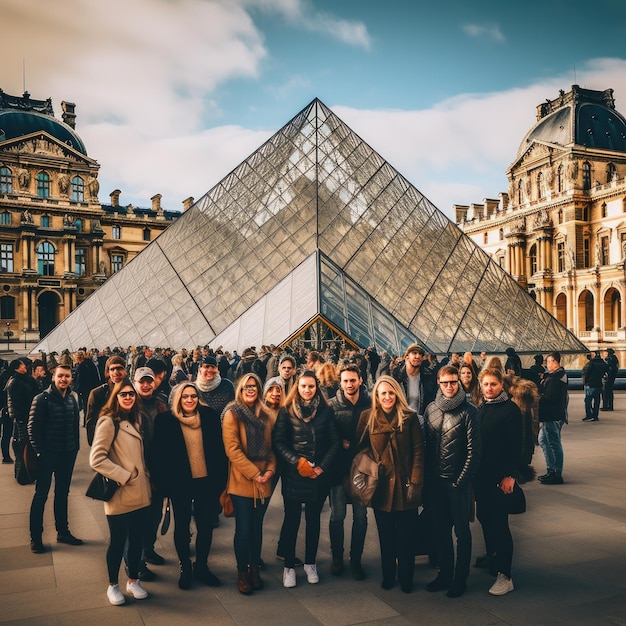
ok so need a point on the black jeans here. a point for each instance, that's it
(203, 504)
(395, 535)
(61, 464)
(494, 520)
(291, 525)
(450, 508)
(6, 424)
(248, 530)
(122, 528)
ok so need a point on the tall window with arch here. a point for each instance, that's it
(611, 172)
(6, 180)
(43, 185)
(532, 257)
(78, 189)
(45, 259)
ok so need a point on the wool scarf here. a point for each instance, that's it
(209, 385)
(192, 433)
(255, 431)
(306, 411)
(449, 404)
(503, 397)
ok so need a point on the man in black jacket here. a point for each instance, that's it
(453, 447)
(593, 373)
(348, 404)
(416, 380)
(53, 432)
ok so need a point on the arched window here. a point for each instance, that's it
(586, 175)
(501, 234)
(43, 185)
(78, 224)
(532, 256)
(604, 210)
(559, 178)
(45, 259)
(78, 189)
(6, 180)
(611, 172)
(7, 308)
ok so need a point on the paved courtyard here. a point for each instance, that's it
(569, 565)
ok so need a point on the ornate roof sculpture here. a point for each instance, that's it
(313, 226)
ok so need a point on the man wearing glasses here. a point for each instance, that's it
(114, 372)
(453, 444)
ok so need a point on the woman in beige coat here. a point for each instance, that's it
(247, 433)
(117, 453)
(391, 430)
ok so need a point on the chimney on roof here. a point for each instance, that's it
(115, 197)
(156, 202)
(187, 203)
(69, 114)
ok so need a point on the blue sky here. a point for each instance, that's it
(173, 94)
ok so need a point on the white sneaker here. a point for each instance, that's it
(289, 577)
(115, 596)
(136, 590)
(311, 573)
(502, 586)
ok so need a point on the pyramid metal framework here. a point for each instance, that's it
(313, 226)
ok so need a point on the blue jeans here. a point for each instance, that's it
(338, 506)
(248, 530)
(550, 442)
(61, 464)
(592, 401)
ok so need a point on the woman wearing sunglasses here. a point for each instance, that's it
(189, 466)
(117, 453)
(247, 431)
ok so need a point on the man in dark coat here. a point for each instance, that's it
(53, 427)
(612, 365)
(593, 374)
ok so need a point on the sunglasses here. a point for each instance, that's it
(126, 394)
(249, 387)
(447, 383)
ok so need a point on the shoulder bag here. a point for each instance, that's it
(101, 487)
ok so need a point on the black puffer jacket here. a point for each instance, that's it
(317, 441)
(347, 417)
(453, 442)
(53, 422)
(21, 389)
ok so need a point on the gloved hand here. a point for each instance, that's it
(305, 468)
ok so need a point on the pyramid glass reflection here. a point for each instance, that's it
(313, 227)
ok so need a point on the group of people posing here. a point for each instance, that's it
(442, 439)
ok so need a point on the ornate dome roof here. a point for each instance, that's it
(23, 116)
(583, 117)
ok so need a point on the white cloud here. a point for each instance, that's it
(484, 31)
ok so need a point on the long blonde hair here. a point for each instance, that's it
(401, 407)
(177, 397)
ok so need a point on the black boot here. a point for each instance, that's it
(186, 574)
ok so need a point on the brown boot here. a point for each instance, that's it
(255, 578)
(243, 583)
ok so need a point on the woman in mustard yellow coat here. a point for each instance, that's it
(247, 433)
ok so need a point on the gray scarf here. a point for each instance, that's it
(449, 404)
(255, 431)
(210, 385)
(306, 412)
(503, 397)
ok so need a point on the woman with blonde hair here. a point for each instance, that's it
(247, 433)
(391, 430)
(189, 466)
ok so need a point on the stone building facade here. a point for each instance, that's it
(560, 230)
(58, 243)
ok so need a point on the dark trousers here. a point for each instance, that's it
(291, 525)
(450, 509)
(395, 535)
(495, 524)
(248, 530)
(607, 393)
(153, 519)
(61, 464)
(125, 528)
(203, 504)
(6, 424)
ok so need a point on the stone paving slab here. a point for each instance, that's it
(569, 564)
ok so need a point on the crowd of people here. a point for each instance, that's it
(204, 428)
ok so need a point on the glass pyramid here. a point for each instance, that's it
(313, 226)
